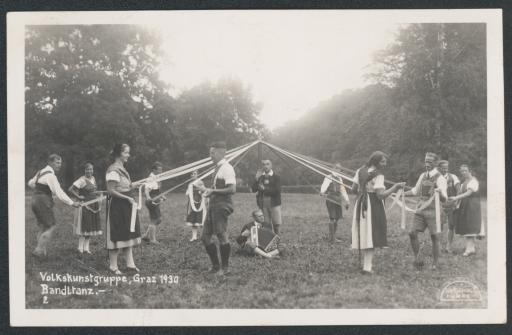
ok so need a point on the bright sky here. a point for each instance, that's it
(292, 60)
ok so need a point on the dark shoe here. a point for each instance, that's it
(418, 264)
(366, 273)
(211, 250)
(39, 255)
(130, 270)
(213, 270)
(115, 272)
(224, 272)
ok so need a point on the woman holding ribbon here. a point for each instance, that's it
(468, 217)
(369, 225)
(123, 228)
(87, 217)
(196, 205)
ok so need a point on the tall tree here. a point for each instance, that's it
(87, 87)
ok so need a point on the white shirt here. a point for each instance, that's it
(472, 185)
(455, 179)
(376, 183)
(328, 181)
(51, 180)
(152, 184)
(440, 182)
(226, 172)
(270, 173)
(81, 182)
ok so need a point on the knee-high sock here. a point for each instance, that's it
(194, 233)
(225, 251)
(368, 259)
(470, 244)
(81, 245)
(415, 244)
(128, 254)
(86, 244)
(112, 257)
(153, 232)
(211, 250)
(43, 240)
(331, 230)
(435, 248)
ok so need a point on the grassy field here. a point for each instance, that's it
(312, 274)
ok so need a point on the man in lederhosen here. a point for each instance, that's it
(452, 189)
(429, 182)
(219, 208)
(332, 188)
(45, 184)
(267, 184)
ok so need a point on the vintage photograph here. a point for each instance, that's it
(315, 162)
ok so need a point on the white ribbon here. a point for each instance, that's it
(312, 166)
(135, 207)
(438, 212)
(186, 169)
(77, 219)
(190, 193)
(401, 203)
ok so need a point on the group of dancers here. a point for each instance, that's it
(442, 201)
(211, 207)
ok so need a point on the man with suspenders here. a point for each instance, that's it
(453, 186)
(429, 182)
(219, 209)
(45, 184)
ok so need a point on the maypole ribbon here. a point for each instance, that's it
(77, 219)
(209, 171)
(434, 198)
(310, 165)
(438, 212)
(135, 207)
(402, 222)
(205, 162)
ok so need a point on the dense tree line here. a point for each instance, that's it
(88, 87)
(428, 94)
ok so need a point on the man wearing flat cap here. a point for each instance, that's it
(429, 182)
(223, 186)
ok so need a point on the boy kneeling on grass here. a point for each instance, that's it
(247, 235)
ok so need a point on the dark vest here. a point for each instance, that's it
(41, 188)
(428, 185)
(451, 190)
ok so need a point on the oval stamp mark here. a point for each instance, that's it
(460, 290)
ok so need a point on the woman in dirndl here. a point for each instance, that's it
(369, 225)
(468, 215)
(196, 205)
(88, 222)
(123, 231)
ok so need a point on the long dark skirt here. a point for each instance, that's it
(468, 217)
(374, 222)
(118, 224)
(91, 223)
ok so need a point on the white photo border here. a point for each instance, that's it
(496, 311)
